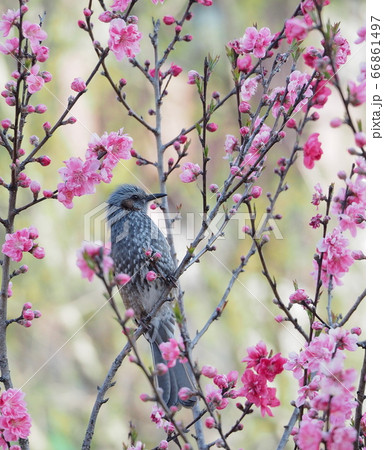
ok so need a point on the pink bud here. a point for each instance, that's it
(129, 313)
(246, 229)
(72, 120)
(157, 256)
(161, 369)
(15, 74)
(279, 318)
(87, 12)
(40, 109)
(30, 109)
(47, 76)
(122, 279)
(317, 325)
(44, 160)
(182, 139)
(212, 127)
(163, 445)
(185, 393)
(235, 170)
(145, 397)
(209, 371)
(360, 139)
(28, 314)
(78, 85)
(244, 131)
(122, 82)
(27, 323)
(237, 197)
(38, 252)
(27, 305)
(213, 188)
(178, 29)
(151, 276)
(35, 187)
(291, 123)
(244, 64)
(336, 122)
(23, 9)
(20, 152)
(106, 17)
(256, 191)
(6, 123)
(187, 38)
(47, 194)
(81, 24)
(244, 107)
(46, 126)
(37, 314)
(356, 330)
(168, 20)
(209, 422)
(133, 359)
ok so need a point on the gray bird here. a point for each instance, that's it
(133, 236)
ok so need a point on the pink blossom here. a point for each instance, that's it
(215, 398)
(312, 151)
(298, 87)
(315, 221)
(311, 55)
(41, 52)
(205, 2)
(231, 143)
(361, 32)
(298, 296)
(175, 70)
(79, 178)
(17, 243)
(248, 88)
(190, 172)
(92, 257)
(345, 340)
(10, 46)
(244, 107)
(337, 257)
(8, 19)
(255, 41)
(34, 81)
(124, 39)
(342, 49)
(360, 139)
(296, 28)
(270, 367)
(322, 92)
(15, 427)
(78, 85)
(170, 351)
(120, 5)
(255, 354)
(341, 438)
(157, 415)
(12, 403)
(310, 434)
(34, 33)
(357, 94)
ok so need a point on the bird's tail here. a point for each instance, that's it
(176, 377)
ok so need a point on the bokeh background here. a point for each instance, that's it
(62, 358)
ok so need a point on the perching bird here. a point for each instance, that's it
(134, 239)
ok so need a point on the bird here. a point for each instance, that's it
(138, 247)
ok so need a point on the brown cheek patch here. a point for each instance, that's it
(127, 204)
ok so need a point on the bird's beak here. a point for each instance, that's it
(150, 197)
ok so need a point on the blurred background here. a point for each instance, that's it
(65, 355)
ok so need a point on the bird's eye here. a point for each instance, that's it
(135, 197)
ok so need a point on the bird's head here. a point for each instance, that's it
(131, 198)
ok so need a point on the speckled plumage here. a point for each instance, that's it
(132, 234)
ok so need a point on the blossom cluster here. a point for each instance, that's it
(15, 422)
(22, 241)
(102, 155)
(349, 206)
(326, 390)
(94, 259)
